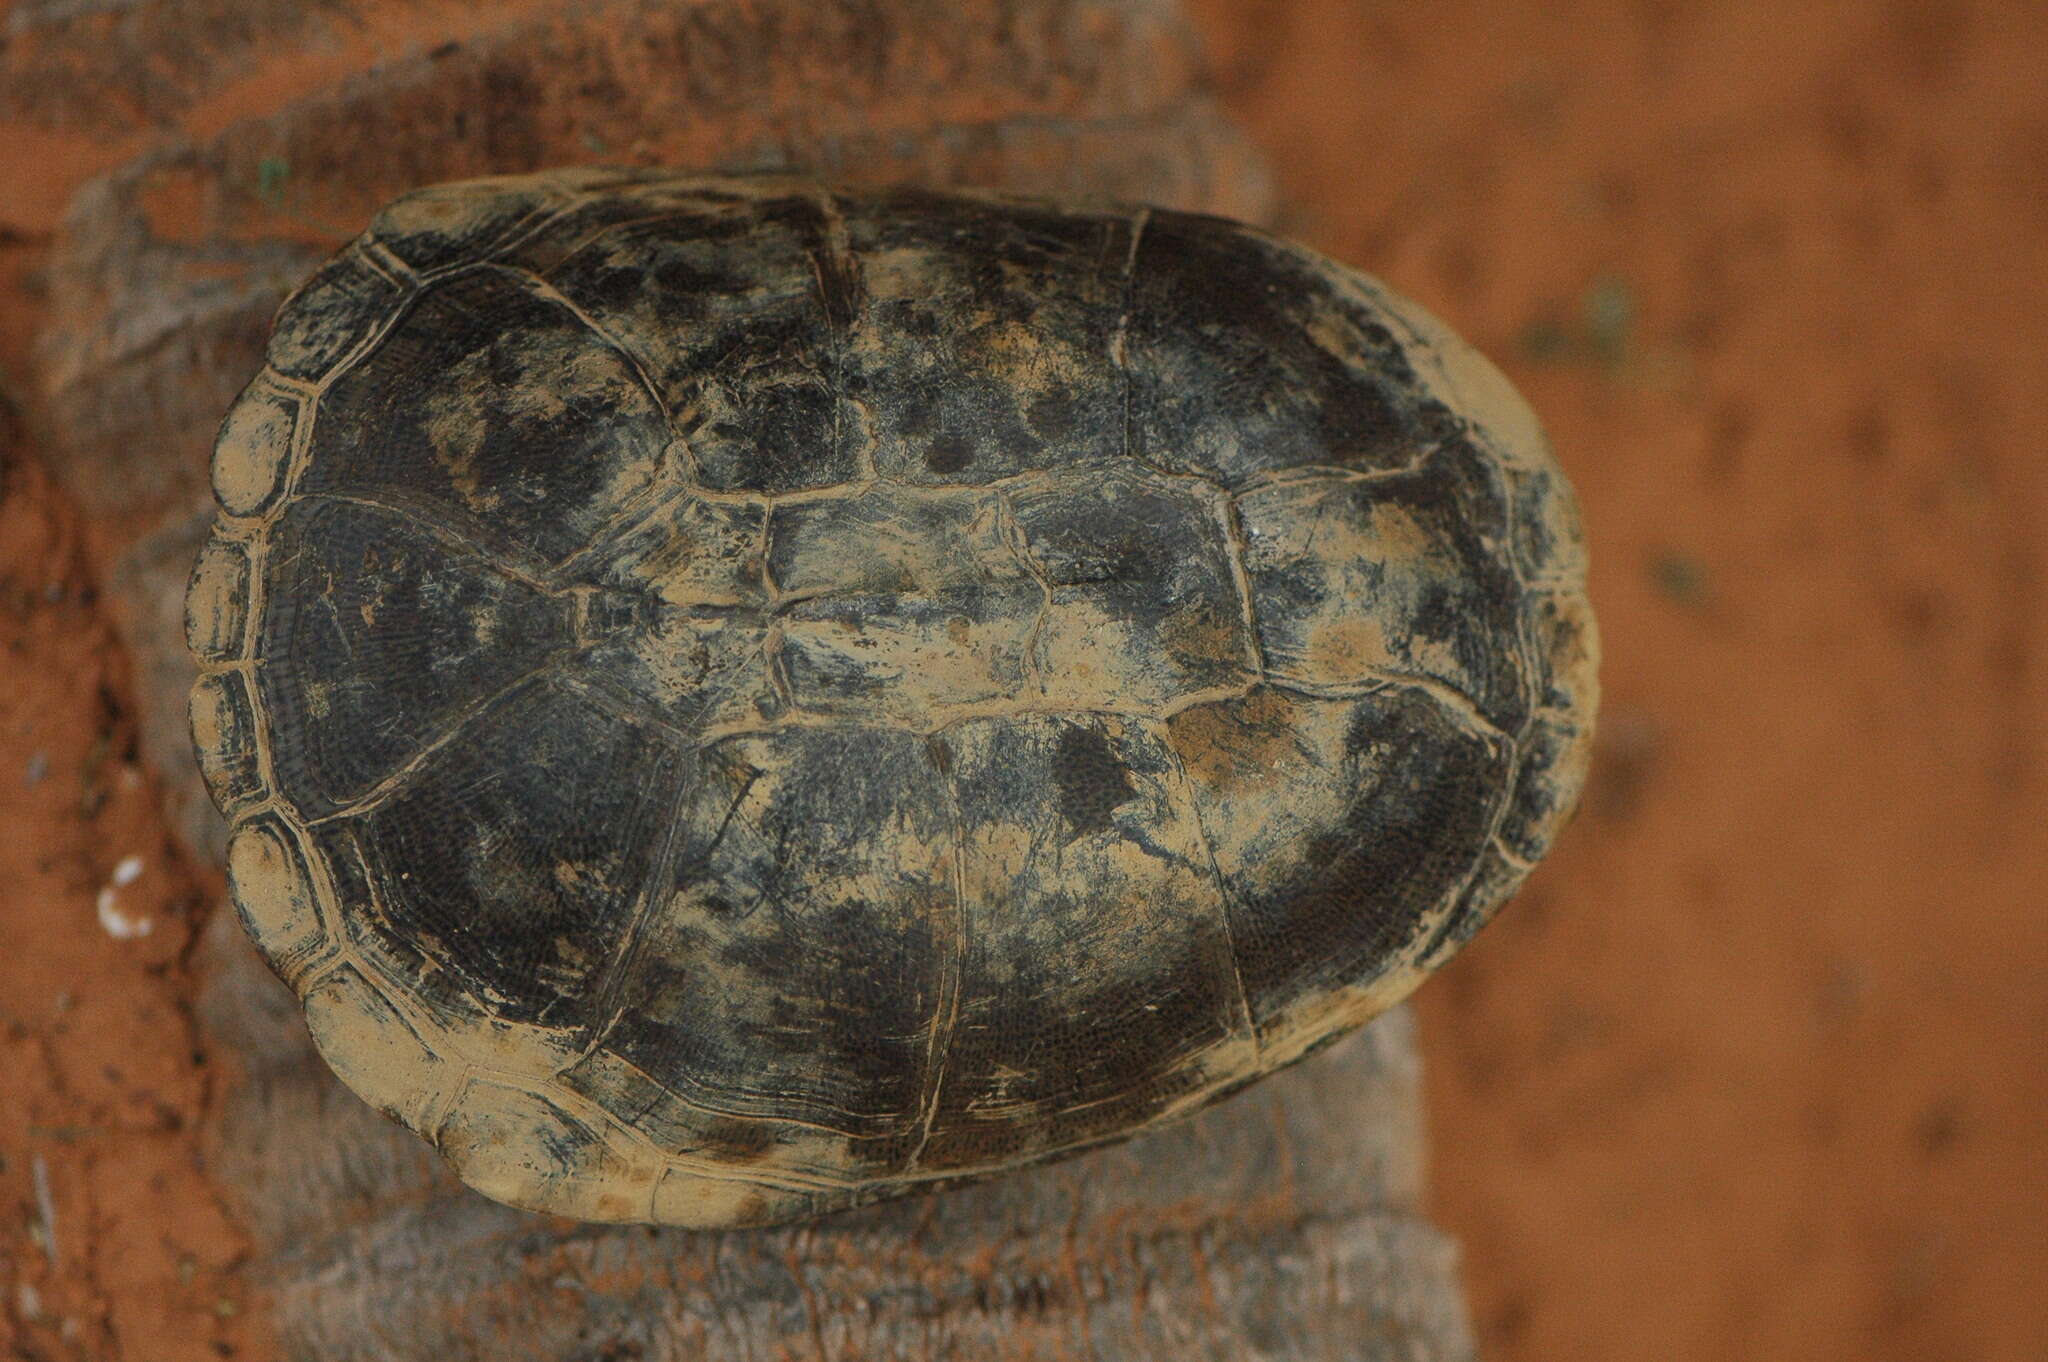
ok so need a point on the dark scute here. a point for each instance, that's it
(1091, 781)
(791, 968)
(441, 225)
(496, 412)
(1474, 611)
(1229, 380)
(1053, 415)
(788, 425)
(514, 859)
(335, 311)
(396, 948)
(542, 247)
(1547, 532)
(1332, 586)
(737, 315)
(378, 637)
(1355, 892)
(1144, 605)
(982, 342)
(1545, 785)
(1113, 532)
(688, 668)
(1097, 967)
(1493, 882)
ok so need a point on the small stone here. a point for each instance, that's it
(118, 924)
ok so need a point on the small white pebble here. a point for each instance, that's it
(38, 767)
(30, 1302)
(119, 925)
(128, 872)
(131, 777)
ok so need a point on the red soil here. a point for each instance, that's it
(112, 1242)
(1754, 1067)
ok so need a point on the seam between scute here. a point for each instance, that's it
(379, 256)
(259, 738)
(974, 712)
(447, 535)
(554, 203)
(542, 289)
(1508, 854)
(1145, 474)
(776, 670)
(611, 980)
(1119, 343)
(946, 1015)
(439, 1041)
(1426, 942)
(1190, 1101)
(1012, 535)
(258, 549)
(302, 451)
(634, 513)
(392, 782)
(1459, 706)
(704, 1107)
(1240, 578)
(624, 705)
(1305, 473)
(1243, 995)
(1531, 662)
(846, 264)
(598, 234)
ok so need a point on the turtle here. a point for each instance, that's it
(742, 697)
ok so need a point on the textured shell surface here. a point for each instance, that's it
(739, 698)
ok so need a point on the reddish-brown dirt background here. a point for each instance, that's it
(1754, 1066)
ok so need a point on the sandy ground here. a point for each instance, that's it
(1754, 1066)
(112, 1244)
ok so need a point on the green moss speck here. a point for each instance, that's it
(271, 174)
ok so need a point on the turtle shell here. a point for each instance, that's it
(739, 698)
